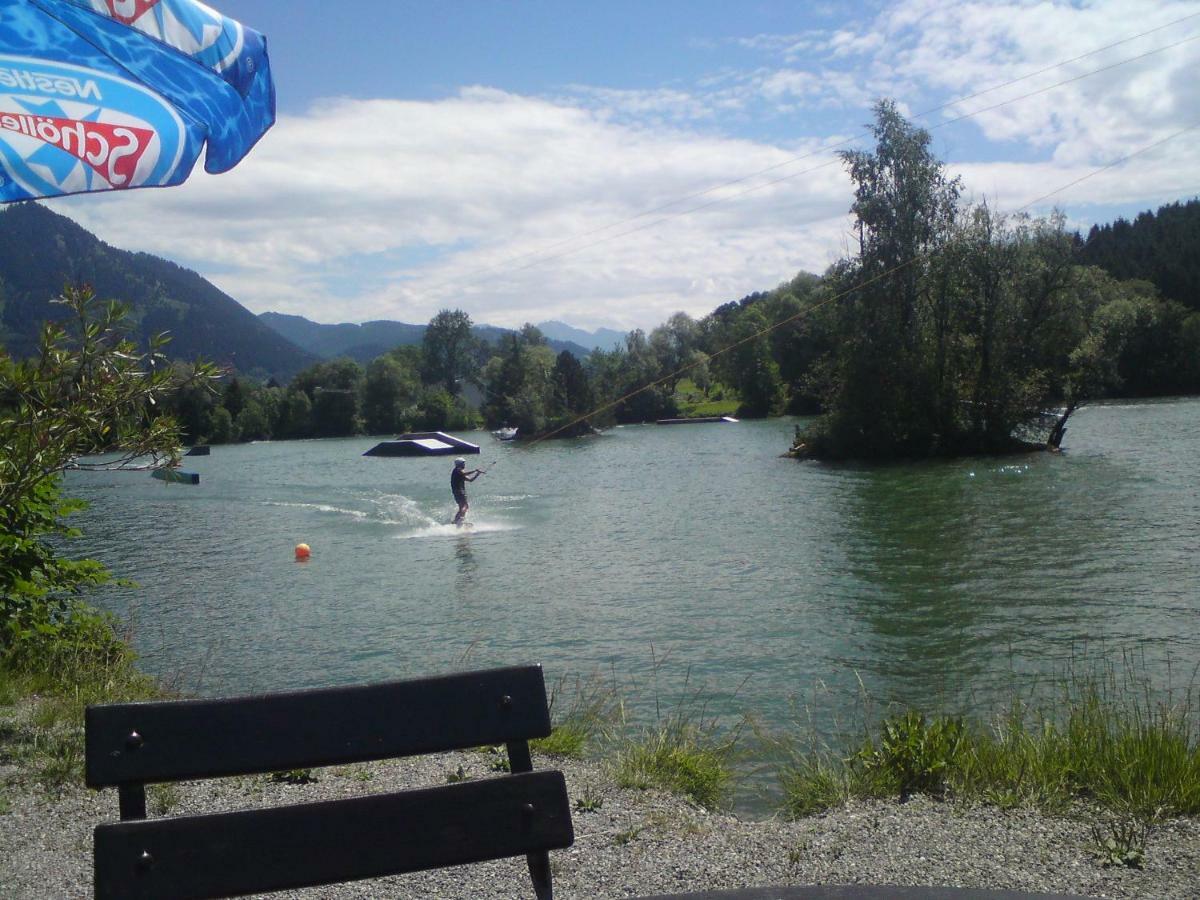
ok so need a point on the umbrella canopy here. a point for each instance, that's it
(100, 95)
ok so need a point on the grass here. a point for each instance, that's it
(694, 403)
(46, 734)
(678, 757)
(583, 712)
(591, 801)
(685, 751)
(1107, 741)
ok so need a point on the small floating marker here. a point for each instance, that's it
(303, 552)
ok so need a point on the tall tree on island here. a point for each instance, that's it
(955, 329)
(905, 207)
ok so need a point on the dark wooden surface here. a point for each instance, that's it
(193, 857)
(132, 743)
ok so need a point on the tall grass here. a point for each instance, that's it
(1107, 739)
(685, 750)
(583, 712)
(43, 697)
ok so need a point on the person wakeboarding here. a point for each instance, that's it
(459, 476)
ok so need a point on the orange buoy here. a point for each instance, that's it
(302, 551)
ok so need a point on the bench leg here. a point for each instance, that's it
(539, 872)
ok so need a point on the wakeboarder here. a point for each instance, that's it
(459, 477)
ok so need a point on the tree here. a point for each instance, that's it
(389, 391)
(756, 374)
(518, 383)
(572, 393)
(253, 423)
(295, 415)
(672, 345)
(955, 329)
(905, 207)
(88, 391)
(333, 389)
(235, 397)
(449, 351)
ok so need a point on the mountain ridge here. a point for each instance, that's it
(363, 342)
(41, 251)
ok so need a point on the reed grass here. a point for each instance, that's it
(583, 713)
(1108, 740)
(685, 750)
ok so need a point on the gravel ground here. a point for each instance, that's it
(638, 842)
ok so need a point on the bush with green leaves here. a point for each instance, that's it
(916, 753)
(88, 400)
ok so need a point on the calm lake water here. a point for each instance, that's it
(670, 559)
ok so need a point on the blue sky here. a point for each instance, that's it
(503, 158)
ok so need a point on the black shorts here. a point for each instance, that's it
(460, 497)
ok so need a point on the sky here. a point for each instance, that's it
(610, 164)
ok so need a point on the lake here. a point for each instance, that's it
(673, 560)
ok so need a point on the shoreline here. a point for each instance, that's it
(633, 842)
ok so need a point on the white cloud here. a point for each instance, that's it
(485, 183)
(391, 208)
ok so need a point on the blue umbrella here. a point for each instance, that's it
(100, 95)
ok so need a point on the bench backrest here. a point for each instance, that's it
(132, 744)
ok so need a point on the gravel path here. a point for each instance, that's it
(638, 842)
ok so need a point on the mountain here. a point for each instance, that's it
(41, 251)
(370, 339)
(359, 342)
(600, 339)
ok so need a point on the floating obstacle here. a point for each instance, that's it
(198, 450)
(699, 420)
(175, 476)
(424, 443)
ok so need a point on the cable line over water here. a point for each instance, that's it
(808, 310)
(823, 165)
(543, 257)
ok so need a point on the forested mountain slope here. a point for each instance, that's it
(41, 251)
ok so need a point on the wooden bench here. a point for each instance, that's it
(130, 745)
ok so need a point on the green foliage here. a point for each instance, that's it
(583, 711)
(590, 801)
(916, 754)
(685, 751)
(54, 690)
(1104, 742)
(954, 328)
(679, 757)
(520, 385)
(1158, 247)
(812, 783)
(755, 371)
(87, 392)
(694, 401)
(389, 393)
(449, 351)
(1122, 844)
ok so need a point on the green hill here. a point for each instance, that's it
(41, 251)
(1161, 248)
(364, 342)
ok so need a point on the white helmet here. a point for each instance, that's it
(460, 462)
